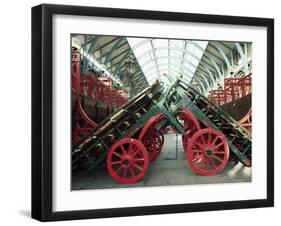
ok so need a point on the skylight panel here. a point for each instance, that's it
(154, 57)
(176, 43)
(160, 43)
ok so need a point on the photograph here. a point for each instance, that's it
(149, 111)
(141, 112)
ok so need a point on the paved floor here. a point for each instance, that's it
(171, 168)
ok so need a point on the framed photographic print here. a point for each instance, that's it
(145, 112)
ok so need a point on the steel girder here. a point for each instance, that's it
(116, 46)
(217, 46)
(106, 44)
(154, 56)
(87, 52)
(244, 58)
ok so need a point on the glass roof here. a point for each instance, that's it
(167, 58)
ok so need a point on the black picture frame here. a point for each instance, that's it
(42, 107)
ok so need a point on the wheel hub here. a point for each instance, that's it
(209, 152)
(127, 160)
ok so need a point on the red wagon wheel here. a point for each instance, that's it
(82, 123)
(190, 125)
(151, 137)
(208, 152)
(246, 121)
(153, 140)
(127, 161)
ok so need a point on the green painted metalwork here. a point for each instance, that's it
(166, 101)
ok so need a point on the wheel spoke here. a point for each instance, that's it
(132, 172)
(137, 167)
(139, 160)
(118, 170)
(203, 140)
(209, 139)
(117, 154)
(213, 162)
(129, 149)
(215, 140)
(217, 158)
(217, 146)
(123, 149)
(197, 158)
(200, 163)
(125, 172)
(207, 164)
(196, 151)
(219, 152)
(135, 152)
(198, 144)
(116, 163)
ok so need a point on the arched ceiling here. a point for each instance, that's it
(158, 57)
(200, 63)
